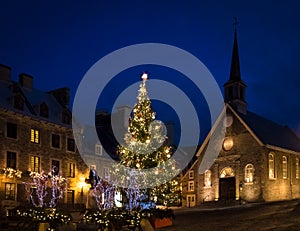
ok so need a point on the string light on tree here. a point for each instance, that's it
(145, 148)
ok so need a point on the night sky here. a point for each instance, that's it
(57, 42)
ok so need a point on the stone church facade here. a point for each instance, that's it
(258, 160)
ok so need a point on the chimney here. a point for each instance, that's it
(62, 95)
(124, 112)
(25, 80)
(5, 73)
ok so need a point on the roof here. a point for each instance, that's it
(271, 133)
(33, 98)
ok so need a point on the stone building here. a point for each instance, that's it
(255, 159)
(35, 136)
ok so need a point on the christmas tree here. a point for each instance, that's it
(145, 149)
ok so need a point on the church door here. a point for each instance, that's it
(227, 188)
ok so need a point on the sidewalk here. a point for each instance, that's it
(214, 206)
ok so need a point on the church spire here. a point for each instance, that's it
(235, 87)
(235, 73)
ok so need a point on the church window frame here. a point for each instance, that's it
(207, 179)
(249, 174)
(284, 167)
(271, 167)
(297, 169)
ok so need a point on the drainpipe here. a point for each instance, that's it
(291, 180)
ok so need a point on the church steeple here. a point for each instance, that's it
(235, 87)
(235, 72)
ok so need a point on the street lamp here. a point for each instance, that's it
(81, 185)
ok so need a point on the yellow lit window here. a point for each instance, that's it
(249, 173)
(297, 169)
(71, 170)
(10, 191)
(271, 166)
(207, 178)
(284, 167)
(35, 136)
(35, 163)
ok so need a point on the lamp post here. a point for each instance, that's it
(81, 185)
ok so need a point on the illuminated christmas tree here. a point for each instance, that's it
(145, 148)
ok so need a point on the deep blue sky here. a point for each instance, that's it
(57, 42)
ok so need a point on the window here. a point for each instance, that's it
(71, 170)
(191, 200)
(297, 168)
(65, 118)
(207, 178)
(11, 130)
(34, 136)
(284, 167)
(35, 163)
(227, 144)
(19, 102)
(55, 167)
(191, 174)
(44, 111)
(10, 191)
(249, 173)
(70, 197)
(11, 160)
(271, 166)
(227, 172)
(55, 141)
(191, 186)
(71, 144)
(106, 173)
(98, 149)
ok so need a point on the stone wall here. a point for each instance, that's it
(24, 149)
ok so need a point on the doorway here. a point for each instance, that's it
(227, 188)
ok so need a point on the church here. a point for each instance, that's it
(258, 160)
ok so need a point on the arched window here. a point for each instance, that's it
(207, 178)
(249, 173)
(227, 172)
(271, 166)
(297, 168)
(284, 167)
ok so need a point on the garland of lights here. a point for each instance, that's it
(11, 173)
(42, 215)
(119, 217)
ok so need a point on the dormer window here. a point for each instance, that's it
(44, 110)
(18, 102)
(65, 117)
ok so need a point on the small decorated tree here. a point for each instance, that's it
(46, 186)
(45, 190)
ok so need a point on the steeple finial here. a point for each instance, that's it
(236, 22)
